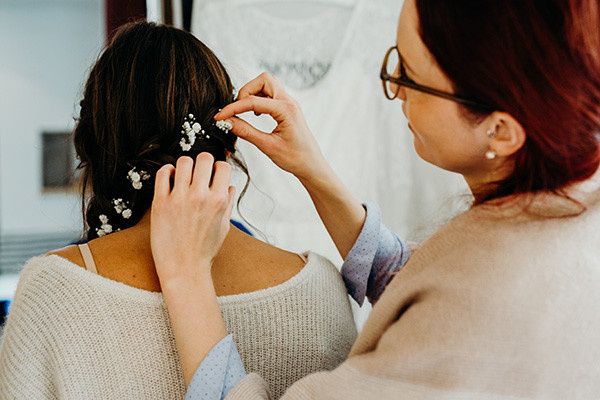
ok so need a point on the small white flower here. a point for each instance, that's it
(191, 116)
(135, 177)
(224, 125)
(121, 207)
(105, 228)
(196, 127)
(186, 125)
(184, 145)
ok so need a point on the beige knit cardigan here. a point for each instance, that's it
(501, 303)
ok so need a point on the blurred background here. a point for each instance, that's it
(46, 48)
(326, 52)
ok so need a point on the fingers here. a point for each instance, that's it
(183, 174)
(244, 130)
(264, 85)
(278, 109)
(162, 186)
(197, 176)
(222, 177)
(203, 171)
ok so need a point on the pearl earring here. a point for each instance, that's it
(490, 154)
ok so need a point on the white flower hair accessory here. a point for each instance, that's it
(137, 177)
(224, 125)
(105, 228)
(190, 129)
(122, 207)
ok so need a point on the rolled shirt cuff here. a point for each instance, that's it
(220, 371)
(375, 257)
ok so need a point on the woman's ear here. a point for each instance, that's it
(507, 135)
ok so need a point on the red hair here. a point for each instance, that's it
(539, 61)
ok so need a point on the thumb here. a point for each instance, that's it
(244, 130)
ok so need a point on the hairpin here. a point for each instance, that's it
(190, 129)
(224, 125)
(122, 207)
(105, 228)
(136, 178)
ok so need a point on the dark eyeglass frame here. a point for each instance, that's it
(404, 80)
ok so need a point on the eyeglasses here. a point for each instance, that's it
(393, 62)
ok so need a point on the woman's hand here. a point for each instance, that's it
(190, 221)
(188, 226)
(291, 145)
(294, 149)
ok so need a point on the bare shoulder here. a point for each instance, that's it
(267, 255)
(247, 264)
(70, 253)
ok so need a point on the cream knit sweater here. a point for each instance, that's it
(499, 304)
(72, 334)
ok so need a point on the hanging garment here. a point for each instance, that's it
(330, 64)
(119, 12)
(186, 11)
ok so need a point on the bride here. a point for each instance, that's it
(90, 320)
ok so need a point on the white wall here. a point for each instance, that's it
(46, 49)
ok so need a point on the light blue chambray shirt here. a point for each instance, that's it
(377, 254)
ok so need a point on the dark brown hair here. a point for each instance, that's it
(537, 60)
(135, 100)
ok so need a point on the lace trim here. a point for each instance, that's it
(300, 54)
(297, 74)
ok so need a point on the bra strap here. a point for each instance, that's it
(88, 260)
(303, 257)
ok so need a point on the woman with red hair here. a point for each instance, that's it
(503, 301)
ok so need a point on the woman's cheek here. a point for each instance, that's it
(414, 125)
(431, 137)
(424, 144)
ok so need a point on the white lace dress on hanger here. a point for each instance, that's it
(330, 64)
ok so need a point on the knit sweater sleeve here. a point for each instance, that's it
(25, 371)
(375, 257)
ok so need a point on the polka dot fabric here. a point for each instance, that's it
(374, 259)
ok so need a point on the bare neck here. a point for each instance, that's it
(140, 234)
(244, 264)
(481, 182)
